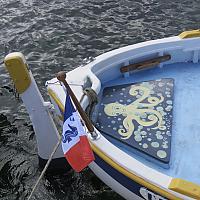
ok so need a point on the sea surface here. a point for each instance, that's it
(59, 35)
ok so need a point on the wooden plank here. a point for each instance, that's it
(145, 64)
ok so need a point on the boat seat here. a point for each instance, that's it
(139, 115)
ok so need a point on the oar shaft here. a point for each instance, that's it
(62, 77)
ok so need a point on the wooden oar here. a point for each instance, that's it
(61, 76)
(145, 64)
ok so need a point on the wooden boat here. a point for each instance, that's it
(147, 115)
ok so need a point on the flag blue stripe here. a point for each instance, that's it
(69, 108)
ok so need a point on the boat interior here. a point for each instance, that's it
(153, 115)
(148, 103)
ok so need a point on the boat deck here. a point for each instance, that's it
(185, 130)
(139, 115)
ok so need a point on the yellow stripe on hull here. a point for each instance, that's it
(190, 34)
(116, 166)
(185, 187)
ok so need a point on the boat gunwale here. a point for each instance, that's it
(98, 62)
(125, 170)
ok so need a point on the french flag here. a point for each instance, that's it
(75, 144)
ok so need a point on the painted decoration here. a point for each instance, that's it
(139, 115)
(128, 183)
(148, 195)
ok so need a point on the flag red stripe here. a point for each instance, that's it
(80, 155)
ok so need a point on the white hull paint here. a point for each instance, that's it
(44, 127)
(98, 72)
(101, 69)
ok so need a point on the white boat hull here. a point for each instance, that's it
(128, 176)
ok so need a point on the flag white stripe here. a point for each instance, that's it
(80, 127)
(69, 136)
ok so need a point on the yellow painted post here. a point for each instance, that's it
(17, 68)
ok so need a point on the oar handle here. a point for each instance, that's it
(61, 76)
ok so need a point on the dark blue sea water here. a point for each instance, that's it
(57, 35)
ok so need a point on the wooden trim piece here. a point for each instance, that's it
(145, 64)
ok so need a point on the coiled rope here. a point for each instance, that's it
(93, 100)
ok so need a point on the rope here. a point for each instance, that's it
(15, 92)
(58, 83)
(45, 168)
(92, 98)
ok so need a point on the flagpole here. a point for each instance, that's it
(61, 76)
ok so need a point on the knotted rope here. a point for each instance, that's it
(92, 98)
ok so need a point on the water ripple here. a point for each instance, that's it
(58, 35)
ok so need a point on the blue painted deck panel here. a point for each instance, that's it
(140, 116)
(185, 147)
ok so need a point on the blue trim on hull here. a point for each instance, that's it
(122, 179)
